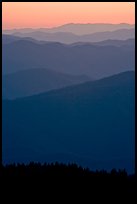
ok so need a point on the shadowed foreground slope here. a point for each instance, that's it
(91, 124)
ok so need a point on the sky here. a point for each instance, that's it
(51, 14)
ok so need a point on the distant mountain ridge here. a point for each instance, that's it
(7, 39)
(76, 28)
(93, 60)
(68, 37)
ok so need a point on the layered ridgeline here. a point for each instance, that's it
(91, 124)
(68, 37)
(77, 29)
(96, 60)
(34, 81)
(6, 39)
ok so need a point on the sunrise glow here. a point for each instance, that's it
(50, 14)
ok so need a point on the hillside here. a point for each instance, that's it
(35, 81)
(91, 124)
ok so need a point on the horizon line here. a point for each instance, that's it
(15, 28)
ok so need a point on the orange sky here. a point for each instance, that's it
(49, 14)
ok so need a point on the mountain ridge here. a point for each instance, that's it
(78, 28)
(114, 78)
(69, 38)
(32, 81)
(93, 60)
(6, 39)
